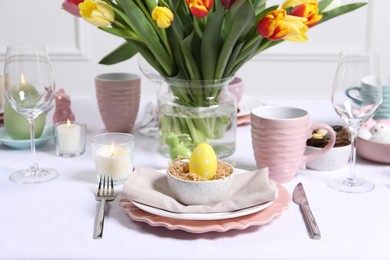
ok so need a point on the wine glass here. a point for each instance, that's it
(357, 70)
(29, 89)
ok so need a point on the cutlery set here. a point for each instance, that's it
(106, 193)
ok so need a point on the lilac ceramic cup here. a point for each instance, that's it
(279, 137)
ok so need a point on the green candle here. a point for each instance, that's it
(16, 125)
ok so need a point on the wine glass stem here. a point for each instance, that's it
(34, 165)
(352, 161)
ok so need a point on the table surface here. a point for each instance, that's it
(56, 219)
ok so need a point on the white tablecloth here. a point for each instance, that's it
(56, 219)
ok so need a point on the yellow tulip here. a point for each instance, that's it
(297, 29)
(163, 16)
(97, 13)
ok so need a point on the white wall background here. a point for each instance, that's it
(289, 70)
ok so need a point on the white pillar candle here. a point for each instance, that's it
(113, 161)
(68, 137)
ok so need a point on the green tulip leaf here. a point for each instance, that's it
(340, 11)
(237, 22)
(124, 52)
(324, 4)
(147, 34)
(211, 44)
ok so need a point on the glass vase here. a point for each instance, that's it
(202, 109)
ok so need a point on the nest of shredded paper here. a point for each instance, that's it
(181, 169)
(342, 138)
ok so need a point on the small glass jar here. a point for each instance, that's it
(69, 138)
(112, 153)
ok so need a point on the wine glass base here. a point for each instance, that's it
(33, 176)
(351, 185)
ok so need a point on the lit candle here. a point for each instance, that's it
(24, 93)
(114, 161)
(68, 138)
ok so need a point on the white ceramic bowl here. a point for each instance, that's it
(373, 151)
(200, 192)
(334, 159)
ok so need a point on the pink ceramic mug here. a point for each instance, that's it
(279, 136)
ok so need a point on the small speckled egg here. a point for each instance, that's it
(380, 128)
(364, 133)
(381, 138)
(203, 161)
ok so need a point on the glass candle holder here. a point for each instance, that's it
(112, 153)
(69, 138)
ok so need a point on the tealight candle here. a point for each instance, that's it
(70, 138)
(113, 155)
(114, 161)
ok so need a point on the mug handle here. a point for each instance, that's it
(347, 92)
(314, 155)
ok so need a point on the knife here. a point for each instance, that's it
(299, 197)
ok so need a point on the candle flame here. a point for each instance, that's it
(112, 149)
(68, 124)
(22, 79)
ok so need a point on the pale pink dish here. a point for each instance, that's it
(373, 151)
(203, 226)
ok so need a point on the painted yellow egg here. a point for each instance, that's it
(203, 161)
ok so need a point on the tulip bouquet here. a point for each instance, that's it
(202, 40)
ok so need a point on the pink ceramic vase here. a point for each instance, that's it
(118, 97)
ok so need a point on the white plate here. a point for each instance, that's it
(205, 216)
(5, 139)
(194, 226)
(246, 105)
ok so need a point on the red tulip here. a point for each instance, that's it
(71, 6)
(200, 8)
(227, 3)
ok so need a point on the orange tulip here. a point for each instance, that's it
(309, 11)
(278, 25)
(200, 8)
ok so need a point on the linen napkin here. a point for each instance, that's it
(150, 187)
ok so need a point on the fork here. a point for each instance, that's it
(104, 193)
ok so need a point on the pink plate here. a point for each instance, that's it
(202, 226)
